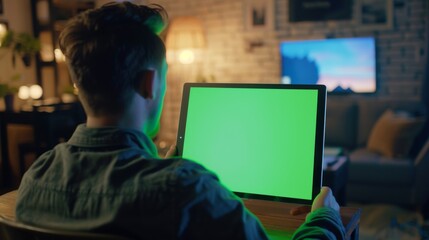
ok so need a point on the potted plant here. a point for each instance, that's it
(21, 44)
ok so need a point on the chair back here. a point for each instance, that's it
(55, 123)
(12, 230)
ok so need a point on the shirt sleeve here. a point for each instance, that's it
(324, 223)
(214, 212)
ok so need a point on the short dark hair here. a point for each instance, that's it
(107, 48)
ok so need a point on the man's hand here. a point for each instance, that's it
(172, 151)
(323, 199)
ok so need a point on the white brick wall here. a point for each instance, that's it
(400, 50)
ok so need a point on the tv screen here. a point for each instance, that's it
(344, 65)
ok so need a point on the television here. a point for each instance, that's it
(343, 65)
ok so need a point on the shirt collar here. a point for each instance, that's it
(112, 137)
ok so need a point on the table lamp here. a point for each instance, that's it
(184, 37)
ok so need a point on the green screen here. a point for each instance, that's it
(257, 140)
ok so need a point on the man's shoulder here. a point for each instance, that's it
(60, 164)
(186, 170)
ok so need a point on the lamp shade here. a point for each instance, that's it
(185, 33)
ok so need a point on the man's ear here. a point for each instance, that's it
(144, 83)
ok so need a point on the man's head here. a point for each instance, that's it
(114, 52)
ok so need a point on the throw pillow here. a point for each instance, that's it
(393, 134)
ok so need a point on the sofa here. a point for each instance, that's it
(376, 175)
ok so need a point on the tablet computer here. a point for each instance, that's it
(262, 140)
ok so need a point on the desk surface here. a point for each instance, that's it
(7, 205)
(275, 216)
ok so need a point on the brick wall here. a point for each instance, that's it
(230, 57)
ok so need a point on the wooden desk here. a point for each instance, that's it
(273, 215)
(277, 220)
(7, 205)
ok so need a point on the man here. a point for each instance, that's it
(108, 176)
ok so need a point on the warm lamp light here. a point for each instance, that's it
(36, 91)
(32, 92)
(59, 56)
(185, 35)
(24, 92)
(3, 31)
(186, 56)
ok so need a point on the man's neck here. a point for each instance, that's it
(134, 116)
(110, 121)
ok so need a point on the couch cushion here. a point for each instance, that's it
(372, 168)
(341, 124)
(393, 134)
(371, 110)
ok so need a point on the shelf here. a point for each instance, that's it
(49, 18)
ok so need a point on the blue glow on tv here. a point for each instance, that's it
(344, 65)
